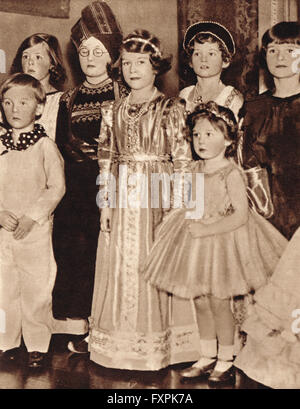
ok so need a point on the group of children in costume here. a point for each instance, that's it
(164, 284)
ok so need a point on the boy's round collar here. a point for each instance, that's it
(26, 139)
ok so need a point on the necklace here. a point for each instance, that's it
(133, 112)
(91, 85)
(131, 115)
(197, 96)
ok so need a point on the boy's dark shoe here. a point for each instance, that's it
(36, 359)
(10, 354)
(79, 347)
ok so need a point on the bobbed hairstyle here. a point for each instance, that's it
(24, 80)
(221, 118)
(144, 42)
(285, 32)
(56, 70)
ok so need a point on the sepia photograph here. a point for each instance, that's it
(150, 197)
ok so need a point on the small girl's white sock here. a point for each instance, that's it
(208, 352)
(225, 357)
(208, 347)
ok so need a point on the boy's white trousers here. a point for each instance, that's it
(27, 275)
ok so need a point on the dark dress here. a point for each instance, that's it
(272, 140)
(77, 219)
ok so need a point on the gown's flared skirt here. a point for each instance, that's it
(271, 355)
(134, 325)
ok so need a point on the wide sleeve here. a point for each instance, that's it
(107, 148)
(54, 190)
(252, 156)
(177, 131)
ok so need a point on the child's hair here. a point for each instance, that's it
(202, 38)
(202, 32)
(286, 32)
(221, 118)
(57, 70)
(186, 71)
(142, 41)
(25, 80)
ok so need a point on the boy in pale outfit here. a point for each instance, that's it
(31, 185)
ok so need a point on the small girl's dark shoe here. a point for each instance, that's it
(226, 377)
(193, 372)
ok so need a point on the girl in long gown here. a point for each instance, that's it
(229, 251)
(133, 325)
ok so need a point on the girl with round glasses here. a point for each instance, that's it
(97, 52)
(76, 225)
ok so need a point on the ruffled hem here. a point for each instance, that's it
(235, 263)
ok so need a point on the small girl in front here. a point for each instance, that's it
(230, 251)
(31, 185)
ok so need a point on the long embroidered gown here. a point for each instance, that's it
(133, 325)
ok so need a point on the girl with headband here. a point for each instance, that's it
(132, 323)
(209, 48)
(229, 251)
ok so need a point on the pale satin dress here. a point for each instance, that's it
(229, 97)
(133, 325)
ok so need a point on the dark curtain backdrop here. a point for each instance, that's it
(241, 19)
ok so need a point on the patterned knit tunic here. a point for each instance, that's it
(76, 225)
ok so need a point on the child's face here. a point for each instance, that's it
(93, 58)
(207, 60)
(21, 107)
(282, 60)
(137, 70)
(36, 61)
(208, 140)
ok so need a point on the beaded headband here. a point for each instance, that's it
(213, 28)
(144, 41)
(212, 107)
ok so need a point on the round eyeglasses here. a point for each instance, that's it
(97, 52)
